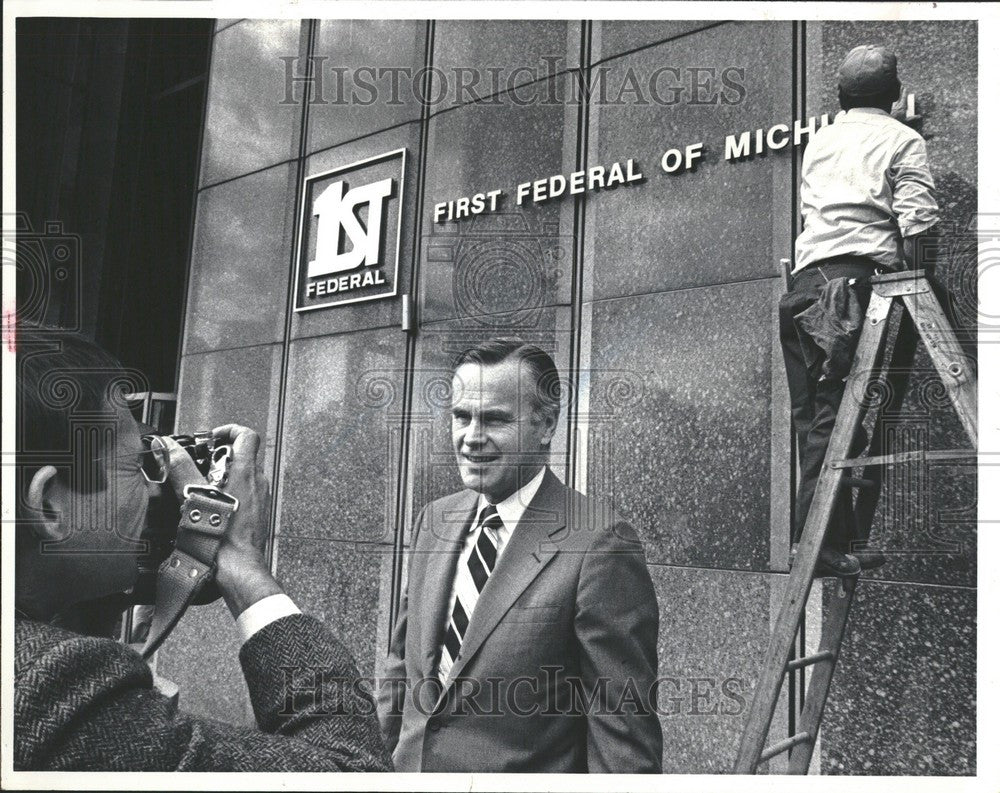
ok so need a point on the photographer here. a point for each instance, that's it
(83, 701)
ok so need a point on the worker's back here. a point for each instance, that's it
(864, 181)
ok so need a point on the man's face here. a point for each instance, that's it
(99, 556)
(496, 430)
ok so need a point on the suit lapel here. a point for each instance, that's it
(530, 549)
(448, 530)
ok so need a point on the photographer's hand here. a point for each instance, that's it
(243, 575)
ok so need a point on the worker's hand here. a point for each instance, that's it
(243, 576)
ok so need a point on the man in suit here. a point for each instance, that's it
(85, 702)
(526, 639)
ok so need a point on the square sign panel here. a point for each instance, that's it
(349, 245)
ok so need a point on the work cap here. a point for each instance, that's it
(867, 70)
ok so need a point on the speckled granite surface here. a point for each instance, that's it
(684, 450)
(341, 436)
(248, 126)
(713, 634)
(346, 101)
(238, 386)
(347, 586)
(519, 257)
(240, 261)
(714, 224)
(903, 699)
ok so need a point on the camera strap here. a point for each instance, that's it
(205, 516)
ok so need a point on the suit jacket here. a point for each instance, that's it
(558, 661)
(88, 704)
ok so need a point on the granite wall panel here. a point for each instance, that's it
(254, 116)
(368, 74)
(222, 24)
(238, 386)
(477, 58)
(714, 628)
(341, 440)
(903, 698)
(347, 586)
(925, 523)
(613, 37)
(240, 262)
(679, 420)
(721, 222)
(519, 257)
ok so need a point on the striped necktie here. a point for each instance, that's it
(469, 582)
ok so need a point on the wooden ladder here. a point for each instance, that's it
(892, 294)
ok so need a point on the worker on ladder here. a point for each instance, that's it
(867, 195)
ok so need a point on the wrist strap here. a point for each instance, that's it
(205, 516)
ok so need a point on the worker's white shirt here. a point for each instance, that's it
(865, 186)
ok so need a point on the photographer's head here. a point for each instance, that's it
(505, 405)
(82, 498)
(867, 78)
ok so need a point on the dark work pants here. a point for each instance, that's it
(815, 400)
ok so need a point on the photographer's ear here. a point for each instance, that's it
(45, 499)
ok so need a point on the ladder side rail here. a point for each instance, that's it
(953, 366)
(899, 363)
(834, 627)
(801, 575)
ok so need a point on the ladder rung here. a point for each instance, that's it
(904, 457)
(899, 275)
(863, 484)
(783, 746)
(809, 660)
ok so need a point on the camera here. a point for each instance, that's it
(201, 447)
(164, 512)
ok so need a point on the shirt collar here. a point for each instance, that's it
(868, 111)
(512, 508)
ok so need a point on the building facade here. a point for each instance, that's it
(658, 299)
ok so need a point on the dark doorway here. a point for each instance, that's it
(109, 119)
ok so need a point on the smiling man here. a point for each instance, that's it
(526, 639)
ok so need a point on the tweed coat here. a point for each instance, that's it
(88, 704)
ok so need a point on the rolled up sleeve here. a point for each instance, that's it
(913, 201)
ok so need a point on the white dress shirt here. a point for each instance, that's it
(865, 186)
(510, 510)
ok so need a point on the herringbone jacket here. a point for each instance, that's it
(88, 704)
